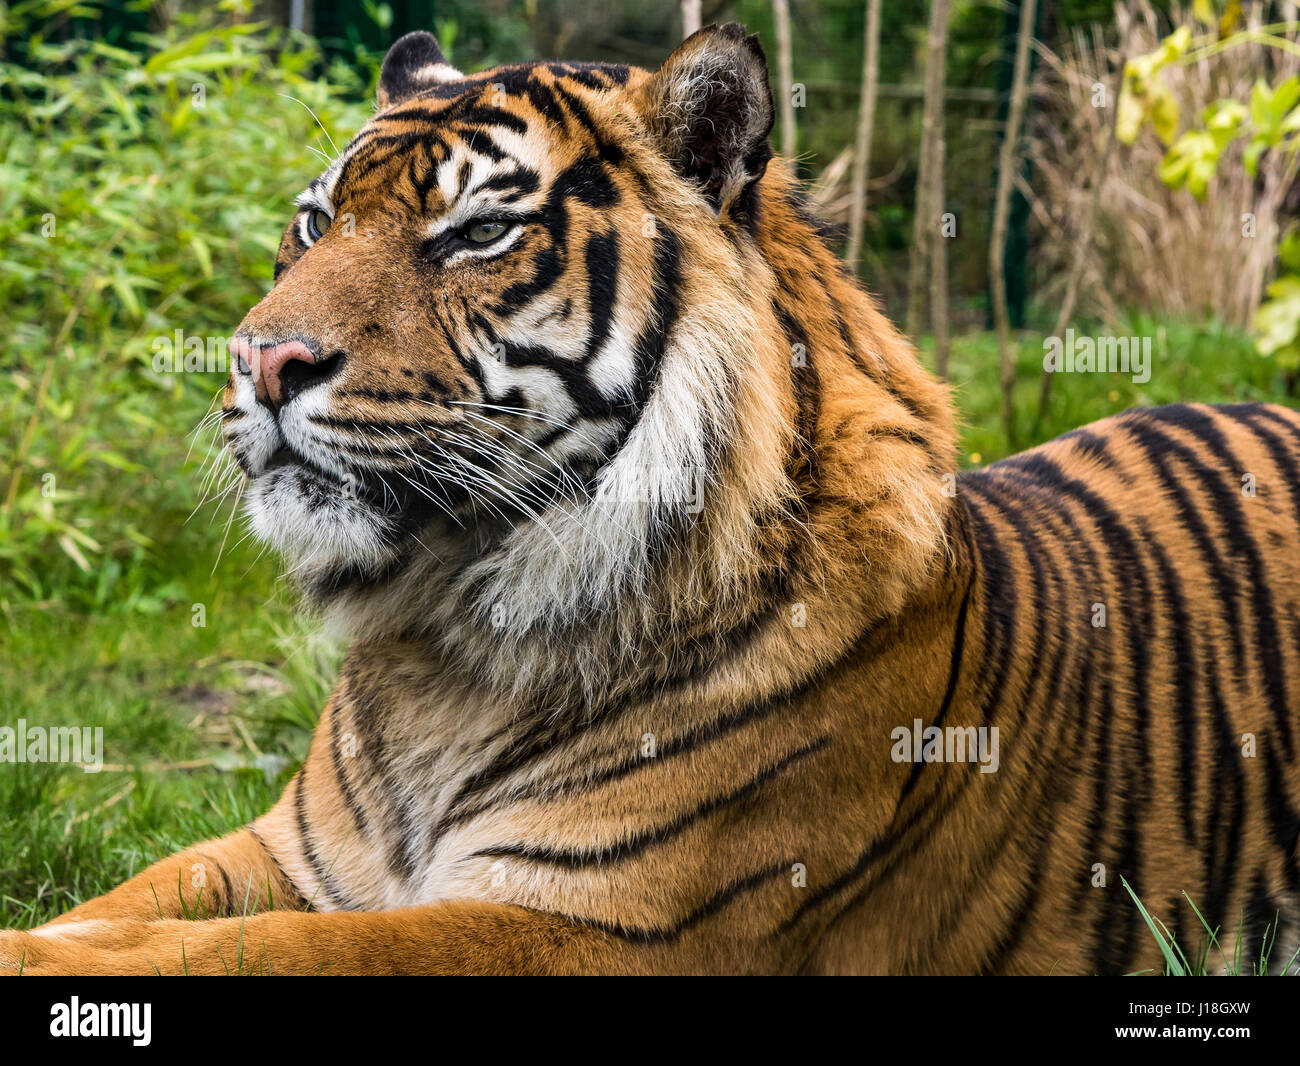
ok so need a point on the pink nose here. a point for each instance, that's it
(266, 363)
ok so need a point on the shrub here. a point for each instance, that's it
(140, 194)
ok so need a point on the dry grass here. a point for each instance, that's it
(1153, 248)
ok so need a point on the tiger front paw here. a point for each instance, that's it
(77, 948)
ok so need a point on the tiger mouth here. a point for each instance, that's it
(284, 456)
(319, 479)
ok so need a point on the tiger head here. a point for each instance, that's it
(526, 337)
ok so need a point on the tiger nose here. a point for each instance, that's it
(267, 365)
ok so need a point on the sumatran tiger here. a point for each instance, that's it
(677, 643)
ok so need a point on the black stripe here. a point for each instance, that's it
(882, 379)
(374, 153)
(1185, 671)
(955, 660)
(650, 343)
(228, 892)
(359, 425)
(607, 150)
(1259, 921)
(805, 381)
(1000, 617)
(1285, 817)
(1287, 462)
(323, 882)
(422, 184)
(368, 708)
(1229, 506)
(1110, 949)
(491, 118)
(340, 774)
(469, 365)
(297, 895)
(480, 142)
(576, 858)
(543, 100)
(548, 267)
(520, 182)
(711, 906)
(602, 288)
(588, 182)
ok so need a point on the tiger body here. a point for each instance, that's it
(640, 681)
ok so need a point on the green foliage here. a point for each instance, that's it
(1270, 120)
(1277, 324)
(140, 194)
(1193, 159)
(1145, 96)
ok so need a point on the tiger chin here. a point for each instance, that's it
(645, 527)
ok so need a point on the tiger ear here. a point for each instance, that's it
(709, 107)
(414, 63)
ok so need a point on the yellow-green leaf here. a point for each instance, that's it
(1164, 115)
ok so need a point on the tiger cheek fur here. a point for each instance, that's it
(644, 527)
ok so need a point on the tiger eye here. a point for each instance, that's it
(484, 232)
(318, 222)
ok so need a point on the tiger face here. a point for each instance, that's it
(475, 302)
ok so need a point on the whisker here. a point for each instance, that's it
(323, 130)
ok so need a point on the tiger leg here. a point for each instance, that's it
(453, 937)
(233, 875)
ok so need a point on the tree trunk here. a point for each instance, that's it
(785, 75)
(690, 17)
(931, 130)
(1086, 225)
(866, 123)
(939, 266)
(1008, 159)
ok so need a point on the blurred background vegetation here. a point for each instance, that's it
(151, 151)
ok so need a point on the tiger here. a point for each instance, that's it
(677, 641)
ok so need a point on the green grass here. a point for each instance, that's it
(1191, 362)
(201, 729)
(1208, 957)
